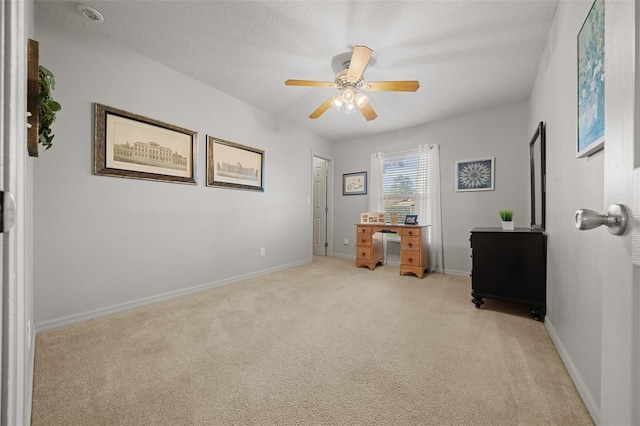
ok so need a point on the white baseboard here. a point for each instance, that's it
(126, 306)
(454, 272)
(344, 256)
(583, 390)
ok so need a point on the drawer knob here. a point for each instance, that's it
(410, 260)
(410, 232)
(410, 244)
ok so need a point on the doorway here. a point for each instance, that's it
(321, 207)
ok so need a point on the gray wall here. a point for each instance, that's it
(105, 243)
(503, 133)
(574, 271)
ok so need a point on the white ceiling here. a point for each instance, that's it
(467, 55)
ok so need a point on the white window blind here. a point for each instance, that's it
(404, 185)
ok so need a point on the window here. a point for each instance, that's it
(404, 183)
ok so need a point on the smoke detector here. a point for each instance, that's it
(90, 13)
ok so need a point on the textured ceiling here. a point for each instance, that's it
(467, 55)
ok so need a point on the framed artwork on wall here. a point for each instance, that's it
(475, 175)
(354, 183)
(132, 146)
(591, 75)
(234, 166)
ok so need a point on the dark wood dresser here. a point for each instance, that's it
(510, 265)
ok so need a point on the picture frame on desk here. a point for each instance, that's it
(411, 219)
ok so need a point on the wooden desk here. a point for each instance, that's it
(414, 255)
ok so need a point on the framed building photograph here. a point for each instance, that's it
(132, 146)
(475, 175)
(354, 183)
(234, 166)
(591, 75)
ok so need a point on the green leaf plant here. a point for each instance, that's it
(47, 108)
(506, 215)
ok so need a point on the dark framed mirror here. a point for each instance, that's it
(537, 164)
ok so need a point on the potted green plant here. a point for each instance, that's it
(507, 219)
(47, 108)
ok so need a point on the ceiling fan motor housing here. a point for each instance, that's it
(343, 81)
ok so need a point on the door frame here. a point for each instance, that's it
(18, 335)
(330, 199)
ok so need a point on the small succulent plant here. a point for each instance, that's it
(506, 215)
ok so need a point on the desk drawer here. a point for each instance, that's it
(364, 240)
(364, 230)
(365, 253)
(410, 243)
(411, 232)
(410, 258)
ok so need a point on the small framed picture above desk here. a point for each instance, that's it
(354, 183)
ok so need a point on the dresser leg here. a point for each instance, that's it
(477, 300)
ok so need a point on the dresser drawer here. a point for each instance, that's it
(411, 232)
(365, 253)
(410, 243)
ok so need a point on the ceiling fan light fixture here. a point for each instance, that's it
(348, 96)
(337, 103)
(350, 109)
(361, 100)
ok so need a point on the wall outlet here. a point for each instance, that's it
(262, 251)
(346, 241)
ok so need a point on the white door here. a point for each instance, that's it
(17, 354)
(620, 378)
(320, 206)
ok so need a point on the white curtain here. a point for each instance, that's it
(434, 207)
(421, 202)
(376, 199)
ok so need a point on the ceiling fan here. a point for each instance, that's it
(349, 81)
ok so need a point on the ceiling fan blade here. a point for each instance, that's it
(368, 112)
(322, 108)
(392, 86)
(309, 83)
(359, 61)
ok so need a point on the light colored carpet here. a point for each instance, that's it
(323, 343)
